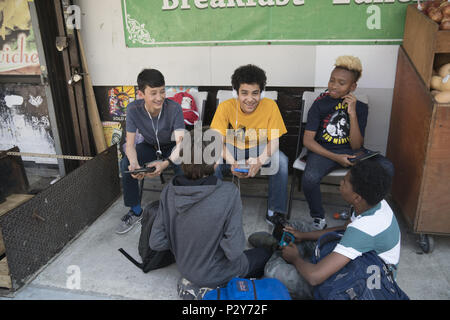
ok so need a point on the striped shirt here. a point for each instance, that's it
(375, 229)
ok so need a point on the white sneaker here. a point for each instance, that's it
(189, 291)
(319, 224)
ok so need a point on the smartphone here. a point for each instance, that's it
(363, 156)
(142, 170)
(243, 168)
(286, 239)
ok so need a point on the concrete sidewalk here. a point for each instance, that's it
(106, 274)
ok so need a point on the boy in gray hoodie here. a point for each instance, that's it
(200, 221)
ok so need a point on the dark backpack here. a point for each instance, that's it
(364, 278)
(151, 259)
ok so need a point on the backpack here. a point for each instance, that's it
(250, 289)
(364, 278)
(189, 107)
(151, 259)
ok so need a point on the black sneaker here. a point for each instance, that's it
(276, 219)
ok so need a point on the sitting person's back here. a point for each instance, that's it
(204, 221)
(200, 221)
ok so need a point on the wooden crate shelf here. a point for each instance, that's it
(5, 277)
(426, 45)
(419, 149)
(12, 201)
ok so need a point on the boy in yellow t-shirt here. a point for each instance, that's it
(251, 126)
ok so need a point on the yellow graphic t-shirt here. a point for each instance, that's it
(247, 130)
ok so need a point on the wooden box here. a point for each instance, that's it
(419, 148)
(12, 201)
(13, 188)
(426, 45)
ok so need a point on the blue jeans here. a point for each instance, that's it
(318, 167)
(145, 153)
(278, 179)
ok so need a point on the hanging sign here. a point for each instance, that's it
(243, 22)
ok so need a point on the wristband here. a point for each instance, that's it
(170, 161)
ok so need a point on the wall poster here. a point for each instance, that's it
(18, 55)
(24, 121)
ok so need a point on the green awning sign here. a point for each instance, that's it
(243, 22)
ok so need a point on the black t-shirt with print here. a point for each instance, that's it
(328, 117)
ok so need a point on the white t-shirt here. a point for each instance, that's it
(375, 229)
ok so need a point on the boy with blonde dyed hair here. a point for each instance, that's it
(334, 133)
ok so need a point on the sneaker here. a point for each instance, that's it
(128, 222)
(263, 240)
(188, 291)
(319, 224)
(276, 219)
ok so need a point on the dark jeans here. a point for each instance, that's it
(145, 153)
(318, 167)
(257, 259)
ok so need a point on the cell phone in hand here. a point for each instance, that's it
(286, 239)
(363, 155)
(242, 168)
(142, 170)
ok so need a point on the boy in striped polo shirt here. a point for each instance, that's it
(373, 226)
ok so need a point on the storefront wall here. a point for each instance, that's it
(112, 63)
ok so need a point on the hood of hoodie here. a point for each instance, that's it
(188, 193)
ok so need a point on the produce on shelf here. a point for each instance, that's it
(438, 11)
(444, 70)
(442, 97)
(440, 83)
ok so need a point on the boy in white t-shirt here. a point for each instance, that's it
(373, 226)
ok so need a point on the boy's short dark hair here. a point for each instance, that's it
(370, 180)
(197, 171)
(150, 78)
(248, 74)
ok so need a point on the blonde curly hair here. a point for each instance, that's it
(350, 63)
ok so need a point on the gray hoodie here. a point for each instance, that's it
(202, 226)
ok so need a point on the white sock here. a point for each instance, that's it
(270, 213)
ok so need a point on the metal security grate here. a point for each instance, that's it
(37, 230)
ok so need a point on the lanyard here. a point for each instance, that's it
(159, 152)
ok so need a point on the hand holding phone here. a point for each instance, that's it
(286, 238)
(142, 170)
(363, 156)
(242, 168)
